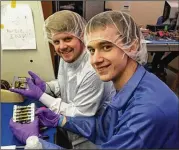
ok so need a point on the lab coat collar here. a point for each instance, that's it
(123, 96)
(77, 63)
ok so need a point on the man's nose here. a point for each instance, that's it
(96, 58)
(62, 46)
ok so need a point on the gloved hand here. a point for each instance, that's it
(23, 131)
(48, 118)
(33, 92)
(39, 82)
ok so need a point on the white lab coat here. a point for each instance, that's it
(81, 91)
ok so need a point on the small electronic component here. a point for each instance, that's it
(24, 114)
(20, 83)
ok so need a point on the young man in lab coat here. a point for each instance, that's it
(78, 91)
(144, 113)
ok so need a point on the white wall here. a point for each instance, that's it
(17, 62)
(92, 8)
(144, 12)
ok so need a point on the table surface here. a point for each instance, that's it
(7, 137)
(160, 42)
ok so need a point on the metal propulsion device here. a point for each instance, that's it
(24, 114)
(20, 83)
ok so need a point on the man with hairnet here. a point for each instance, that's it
(144, 111)
(78, 91)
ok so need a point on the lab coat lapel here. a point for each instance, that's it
(124, 95)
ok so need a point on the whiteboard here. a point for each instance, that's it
(18, 32)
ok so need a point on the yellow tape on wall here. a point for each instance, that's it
(13, 4)
(2, 26)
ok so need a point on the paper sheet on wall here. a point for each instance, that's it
(18, 32)
(126, 6)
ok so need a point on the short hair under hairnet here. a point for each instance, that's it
(127, 33)
(65, 21)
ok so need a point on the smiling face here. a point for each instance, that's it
(67, 46)
(107, 59)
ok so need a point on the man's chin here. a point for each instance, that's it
(104, 78)
(68, 60)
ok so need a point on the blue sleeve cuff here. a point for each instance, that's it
(47, 145)
(60, 120)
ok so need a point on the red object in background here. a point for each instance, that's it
(167, 34)
(161, 33)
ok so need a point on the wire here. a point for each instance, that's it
(5, 85)
(2, 85)
(54, 95)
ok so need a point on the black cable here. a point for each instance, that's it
(54, 95)
(5, 85)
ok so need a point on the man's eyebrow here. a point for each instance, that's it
(100, 44)
(89, 46)
(104, 42)
(64, 37)
(55, 40)
(68, 36)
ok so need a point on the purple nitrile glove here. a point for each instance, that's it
(48, 118)
(23, 131)
(33, 92)
(39, 82)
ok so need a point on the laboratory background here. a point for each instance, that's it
(24, 46)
